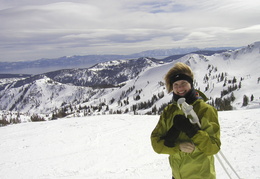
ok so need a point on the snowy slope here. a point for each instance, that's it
(243, 64)
(116, 147)
(140, 88)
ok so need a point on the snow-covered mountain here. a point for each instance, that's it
(118, 146)
(231, 80)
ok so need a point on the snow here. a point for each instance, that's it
(45, 96)
(118, 146)
(242, 63)
(115, 146)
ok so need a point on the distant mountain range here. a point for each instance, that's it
(231, 79)
(47, 65)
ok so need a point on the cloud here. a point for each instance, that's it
(38, 29)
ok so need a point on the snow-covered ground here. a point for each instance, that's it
(116, 147)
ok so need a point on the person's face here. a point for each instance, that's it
(181, 87)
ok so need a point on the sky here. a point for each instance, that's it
(32, 30)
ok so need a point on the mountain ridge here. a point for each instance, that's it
(136, 89)
(67, 62)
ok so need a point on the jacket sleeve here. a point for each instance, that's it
(159, 131)
(207, 139)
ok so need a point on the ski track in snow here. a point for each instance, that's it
(115, 146)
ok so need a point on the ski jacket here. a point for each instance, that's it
(200, 163)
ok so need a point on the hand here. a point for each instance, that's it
(187, 147)
(183, 124)
(171, 136)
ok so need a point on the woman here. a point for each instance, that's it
(190, 147)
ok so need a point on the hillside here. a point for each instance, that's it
(230, 79)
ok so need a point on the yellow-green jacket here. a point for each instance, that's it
(200, 163)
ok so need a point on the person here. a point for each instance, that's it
(190, 147)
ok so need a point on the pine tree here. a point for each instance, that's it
(234, 80)
(252, 97)
(154, 110)
(232, 97)
(245, 100)
(239, 85)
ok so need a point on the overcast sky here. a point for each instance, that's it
(31, 29)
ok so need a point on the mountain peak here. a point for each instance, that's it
(136, 85)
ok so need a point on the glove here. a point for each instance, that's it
(183, 124)
(171, 136)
